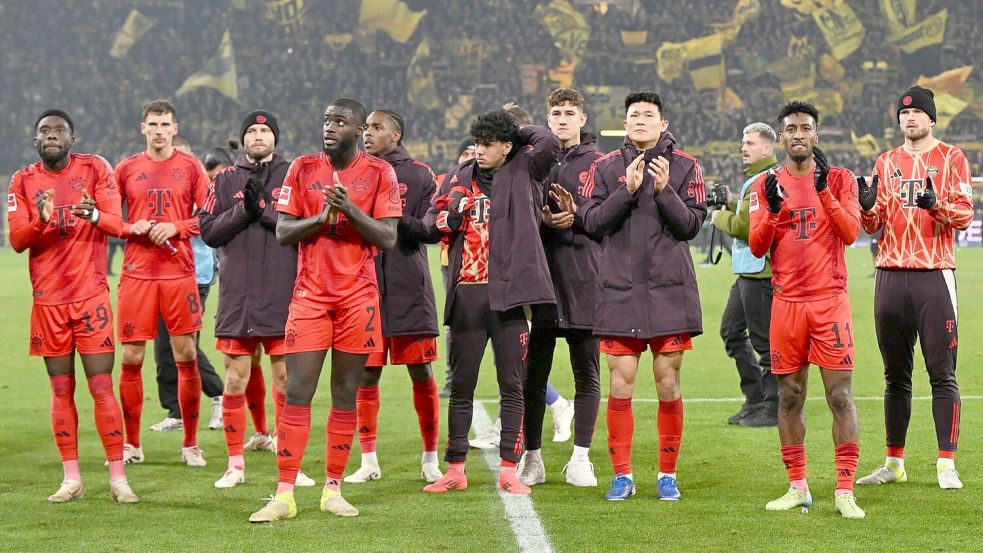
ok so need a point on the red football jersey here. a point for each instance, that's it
(335, 267)
(474, 256)
(166, 191)
(807, 237)
(914, 238)
(68, 254)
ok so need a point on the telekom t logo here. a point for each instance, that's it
(909, 189)
(803, 222)
(159, 199)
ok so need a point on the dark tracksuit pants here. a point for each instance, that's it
(744, 329)
(211, 382)
(922, 304)
(472, 323)
(584, 360)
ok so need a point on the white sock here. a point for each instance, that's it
(629, 476)
(661, 474)
(429, 457)
(896, 461)
(370, 459)
(534, 454)
(944, 463)
(559, 405)
(580, 454)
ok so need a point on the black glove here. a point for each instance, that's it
(772, 193)
(252, 195)
(867, 194)
(459, 202)
(822, 169)
(927, 198)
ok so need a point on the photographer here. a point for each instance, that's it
(748, 311)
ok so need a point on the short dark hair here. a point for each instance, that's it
(797, 106)
(358, 110)
(568, 95)
(398, 119)
(521, 116)
(646, 96)
(55, 113)
(220, 156)
(160, 106)
(496, 125)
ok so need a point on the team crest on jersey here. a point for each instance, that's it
(933, 171)
(283, 198)
(753, 203)
(361, 186)
(11, 203)
(291, 338)
(128, 330)
(178, 174)
(776, 359)
(582, 177)
(77, 184)
(36, 342)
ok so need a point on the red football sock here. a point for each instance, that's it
(621, 428)
(506, 464)
(65, 418)
(367, 408)
(131, 400)
(427, 403)
(293, 431)
(846, 458)
(234, 419)
(943, 454)
(279, 400)
(340, 433)
(189, 399)
(893, 451)
(670, 426)
(109, 418)
(794, 457)
(256, 399)
(456, 466)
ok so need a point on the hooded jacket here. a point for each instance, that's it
(518, 274)
(571, 253)
(256, 273)
(408, 305)
(648, 284)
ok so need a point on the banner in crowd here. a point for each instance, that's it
(947, 107)
(634, 38)
(744, 11)
(421, 89)
(866, 145)
(392, 17)
(605, 106)
(135, 26)
(289, 14)
(570, 34)
(808, 7)
(842, 29)
(458, 112)
(672, 58)
(219, 72)
(530, 74)
(469, 55)
(950, 81)
(928, 32)
(900, 14)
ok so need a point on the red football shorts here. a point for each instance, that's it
(621, 345)
(313, 327)
(818, 332)
(140, 301)
(86, 326)
(272, 345)
(405, 350)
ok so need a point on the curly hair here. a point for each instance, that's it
(494, 126)
(796, 106)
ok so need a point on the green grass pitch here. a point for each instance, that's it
(726, 473)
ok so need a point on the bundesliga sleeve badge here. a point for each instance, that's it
(753, 204)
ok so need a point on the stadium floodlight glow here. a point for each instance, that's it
(614, 132)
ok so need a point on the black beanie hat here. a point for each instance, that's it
(919, 98)
(465, 145)
(259, 117)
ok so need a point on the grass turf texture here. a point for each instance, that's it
(726, 473)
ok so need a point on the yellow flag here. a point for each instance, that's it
(455, 115)
(392, 17)
(866, 145)
(900, 14)
(926, 33)
(708, 73)
(135, 26)
(729, 100)
(947, 107)
(288, 13)
(672, 58)
(948, 81)
(842, 29)
(421, 90)
(219, 72)
(567, 27)
(808, 7)
(634, 38)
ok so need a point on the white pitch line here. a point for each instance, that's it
(741, 399)
(519, 510)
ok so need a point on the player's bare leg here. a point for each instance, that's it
(621, 424)
(189, 396)
(346, 374)
(792, 391)
(665, 367)
(131, 399)
(839, 398)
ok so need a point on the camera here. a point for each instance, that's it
(718, 196)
